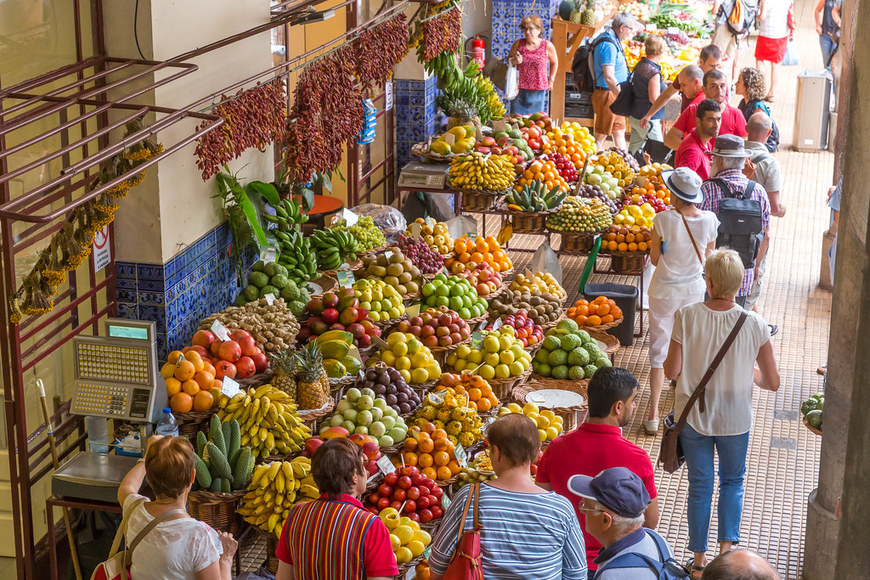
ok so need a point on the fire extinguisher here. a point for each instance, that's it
(478, 51)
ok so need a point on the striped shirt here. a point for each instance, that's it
(736, 182)
(524, 536)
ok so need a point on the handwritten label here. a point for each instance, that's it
(385, 465)
(673, 30)
(435, 398)
(350, 217)
(270, 298)
(415, 230)
(220, 330)
(461, 456)
(379, 342)
(269, 255)
(230, 387)
(449, 138)
(388, 254)
(345, 278)
(413, 310)
(472, 236)
(498, 126)
(536, 398)
(497, 324)
(477, 339)
(483, 324)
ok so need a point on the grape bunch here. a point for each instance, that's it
(595, 192)
(420, 254)
(366, 233)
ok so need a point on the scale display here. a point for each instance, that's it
(424, 175)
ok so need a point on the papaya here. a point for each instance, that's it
(334, 369)
(351, 364)
(337, 349)
(330, 335)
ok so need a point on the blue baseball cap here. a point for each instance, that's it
(618, 489)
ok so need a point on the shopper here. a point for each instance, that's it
(773, 35)
(693, 151)
(751, 86)
(646, 85)
(710, 58)
(728, 36)
(179, 547)
(715, 88)
(537, 64)
(681, 241)
(827, 18)
(610, 69)
(740, 564)
(729, 158)
(720, 420)
(598, 444)
(614, 502)
(527, 532)
(352, 542)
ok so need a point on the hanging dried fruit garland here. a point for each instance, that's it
(378, 49)
(72, 244)
(252, 118)
(440, 30)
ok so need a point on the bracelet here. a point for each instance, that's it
(140, 460)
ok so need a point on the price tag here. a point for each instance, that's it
(497, 324)
(429, 221)
(482, 326)
(229, 387)
(449, 138)
(385, 465)
(220, 330)
(270, 298)
(412, 573)
(472, 236)
(499, 125)
(179, 359)
(388, 95)
(427, 551)
(413, 310)
(445, 501)
(350, 217)
(379, 342)
(477, 339)
(345, 278)
(435, 398)
(461, 456)
(415, 230)
(388, 254)
(268, 254)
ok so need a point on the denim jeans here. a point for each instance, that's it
(698, 450)
(529, 101)
(829, 49)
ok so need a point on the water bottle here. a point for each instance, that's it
(167, 425)
(98, 434)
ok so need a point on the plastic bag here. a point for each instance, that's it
(461, 225)
(511, 83)
(546, 260)
(388, 219)
(792, 54)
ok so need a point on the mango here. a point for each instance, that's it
(330, 335)
(335, 349)
(334, 369)
(459, 132)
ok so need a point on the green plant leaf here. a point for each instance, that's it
(267, 190)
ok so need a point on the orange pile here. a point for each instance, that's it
(431, 451)
(571, 140)
(190, 382)
(478, 391)
(654, 186)
(468, 253)
(627, 239)
(600, 311)
(545, 172)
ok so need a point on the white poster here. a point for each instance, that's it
(102, 249)
(388, 95)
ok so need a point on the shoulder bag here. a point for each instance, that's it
(692, 238)
(671, 453)
(117, 566)
(466, 561)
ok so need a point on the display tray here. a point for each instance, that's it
(607, 343)
(811, 428)
(565, 403)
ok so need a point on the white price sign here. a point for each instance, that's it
(350, 217)
(270, 298)
(268, 255)
(220, 330)
(385, 465)
(229, 387)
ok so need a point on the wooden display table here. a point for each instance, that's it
(566, 38)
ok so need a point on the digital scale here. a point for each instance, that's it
(116, 378)
(424, 175)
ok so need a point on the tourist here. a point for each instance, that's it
(537, 63)
(598, 444)
(646, 85)
(715, 88)
(681, 241)
(709, 59)
(740, 565)
(693, 151)
(724, 35)
(719, 422)
(614, 502)
(527, 532)
(751, 86)
(180, 548)
(729, 159)
(353, 543)
(773, 35)
(827, 19)
(610, 69)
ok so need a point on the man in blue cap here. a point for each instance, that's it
(614, 502)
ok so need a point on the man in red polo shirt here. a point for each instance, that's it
(715, 88)
(597, 445)
(692, 152)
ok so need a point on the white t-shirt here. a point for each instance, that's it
(174, 550)
(702, 331)
(679, 273)
(775, 23)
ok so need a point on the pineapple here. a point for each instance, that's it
(576, 16)
(588, 16)
(312, 384)
(283, 367)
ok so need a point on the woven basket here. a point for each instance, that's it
(189, 424)
(611, 342)
(271, 553)
(577, 242)
(446, 482)
(603, 327)
(811, 428)
(431, 526)
(256, 380)
(373, 482)
(422, 149)
(216, 509)
(403, 568)
(473, 322)
(393, 449)
(354, 266)
(327, 283)
(628, 262)
(502, 388)
(423, 389)
(570, 415)
(552, 324)
(477, 201)
(312, 417)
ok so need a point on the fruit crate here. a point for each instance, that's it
(218, 510)
(189, 424)
(577, 242)
(628, 263)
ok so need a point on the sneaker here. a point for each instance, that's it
(651, 426)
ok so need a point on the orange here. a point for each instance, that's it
(583, 310)
(208, 367)
(173, 386)
(441, 458)
(426, 445)
(428, 428)
(173, 356)
(410, 458)
(439, 434)
(606, 319)
(465, 257)
(594, 320)
(429, 472)
(453, 466)
(582, 321)
(459, 245)
(410, 444)
(181, 403)
(216, 384)
(425, 460)
(442, 444)
(492, 244)
(643, 246)
(190, 387)
(167, 370)
(204, 379)
(484, 405)
(477, 257)
(185, 371)
(632, 247)
(603, 309)
(443, 473)
(480, 244)
(474, 394)
(616, 312)
(203, 401)
(623, 247)
(449, 379)
(194, 358)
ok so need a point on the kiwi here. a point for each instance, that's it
(391, 281)
(404, 277)
(378, 271)
(396, 257)
(407, 264)
(394, 270)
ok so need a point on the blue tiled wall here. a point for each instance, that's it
(198, 281)
(417, 114)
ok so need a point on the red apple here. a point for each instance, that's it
(414, 517)
(396, 505)
(391, 478)
(385, 490)
(364, 341)
(437, 511)
(410, 507)
(203, 338)
(425, 515)
(311, 445)
(423, 502)
(413, 493)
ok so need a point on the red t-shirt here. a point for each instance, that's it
(379, 559)
(686, 100)
(588, 450)
(691, 154)
(733, 121)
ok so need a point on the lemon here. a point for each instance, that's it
(395, 542)
(491, 344)
(388, 357)
(502, 371)
(423, 537)
(416, 548)
(552, 432)
(406, 374)
(542, 434)
(476, 357)
(514, 408)
(419, 375)
(542, 422)
(458, 365)
(434, 371)
(395, 338)
(416, 527)
(403, 363)
(548, 413)
(403, 555)
(463, 351)
(531, 408)
(404, 533)
(420, 360)
(452, 359)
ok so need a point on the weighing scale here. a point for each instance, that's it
(424, 175)
(116, 378)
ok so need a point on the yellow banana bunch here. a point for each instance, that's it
(273, 490)
(481, 171)
(267, 418)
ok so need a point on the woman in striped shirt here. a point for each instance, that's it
(527, 532)
(334, 538)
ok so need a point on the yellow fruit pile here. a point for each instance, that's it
(406, 537)
(435, 235)
(572, 140)
(482, 172)
(499, 356)
(268, 420)
(614, 164)
(409, 356)
(273, 490)
(450, 411)
(541, 282)
(549, 424)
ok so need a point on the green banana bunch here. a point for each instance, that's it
(534, 197)
(333, 247)
(288, 215)
(295, 254)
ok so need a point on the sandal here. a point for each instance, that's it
(695, 572)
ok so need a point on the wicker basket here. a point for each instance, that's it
(611, 342)
(603, 327)
(422, 149)
(354, 266)
(475, 201)
(577, 242)
(552, 324)
(326, 283)
(571, 415)
(811, 428)
(423, 389)
(628, 262)
(256, 380)
(502, 388)
(216, 509)
(189, 424)
(403, 568)
(311, 417)
(271, 553)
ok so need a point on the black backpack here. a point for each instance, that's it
(741, 224)
(582, 65)
(665, 568)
